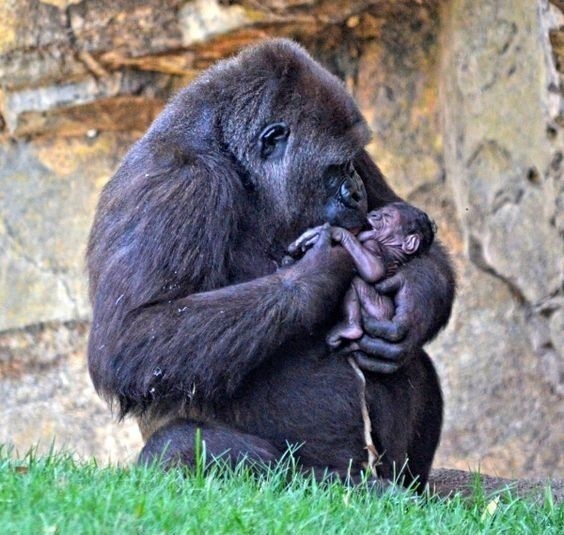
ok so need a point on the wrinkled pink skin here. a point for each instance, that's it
(371, 251)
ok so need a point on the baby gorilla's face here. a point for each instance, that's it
(387, 222)
(390, 225)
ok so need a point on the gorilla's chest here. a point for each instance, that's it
(250, 262)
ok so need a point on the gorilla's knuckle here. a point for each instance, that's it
(393, 351)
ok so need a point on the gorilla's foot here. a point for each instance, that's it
(178, 444)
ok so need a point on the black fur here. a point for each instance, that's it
(416, 221)
(193, 320)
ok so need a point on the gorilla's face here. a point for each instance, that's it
(295, 130)
(320, 189)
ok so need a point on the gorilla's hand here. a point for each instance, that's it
(322, 254)
(308, 239)
(423, 291)
(317, 239)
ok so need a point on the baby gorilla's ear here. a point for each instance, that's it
(411, 243)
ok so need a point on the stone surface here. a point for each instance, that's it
(506, 166)
(447, 482)
(465, 101)
(49, 189)
(397, 88)
(49, 401)
(501, 100)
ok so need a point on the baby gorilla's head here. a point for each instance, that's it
(400, 224)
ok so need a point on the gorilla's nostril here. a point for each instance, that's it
(350, 194)
(357, 196)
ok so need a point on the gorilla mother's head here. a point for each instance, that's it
(290, 129)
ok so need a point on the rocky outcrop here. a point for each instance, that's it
(465, 101)
(445, 483)
(501, 100)
(48, 398)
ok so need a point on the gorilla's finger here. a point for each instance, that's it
(293, 248)
(303, 240)
(381, 349)
(287, 261)
(393, 331)
(323, 237)
(374, 365)
(390, 285)
(310, 242)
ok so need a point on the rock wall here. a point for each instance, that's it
(465, 101)
(501, 98)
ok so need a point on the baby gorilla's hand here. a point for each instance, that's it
(306, 240)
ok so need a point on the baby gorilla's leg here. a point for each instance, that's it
(350, 328)
(374, 305)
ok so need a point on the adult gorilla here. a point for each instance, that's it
(196, 326)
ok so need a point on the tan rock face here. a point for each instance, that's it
(50, 187)
(465, 101)
(48, 397)
(501, 107)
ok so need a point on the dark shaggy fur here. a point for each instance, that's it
(193, 319)
(418, 222)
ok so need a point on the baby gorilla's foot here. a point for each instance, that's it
(343, 331)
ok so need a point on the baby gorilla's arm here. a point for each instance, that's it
(370, 266)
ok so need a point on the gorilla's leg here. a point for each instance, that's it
(406, 413)
(427, 429)
(175, 444)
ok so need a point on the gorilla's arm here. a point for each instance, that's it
(217, 337)
(167, 326)
(423, 292)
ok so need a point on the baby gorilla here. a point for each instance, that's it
(399, 231)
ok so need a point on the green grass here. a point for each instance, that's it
(57, 494)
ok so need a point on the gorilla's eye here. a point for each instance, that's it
(273, 140)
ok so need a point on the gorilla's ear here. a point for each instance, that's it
(273, 141)
(411, 243)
